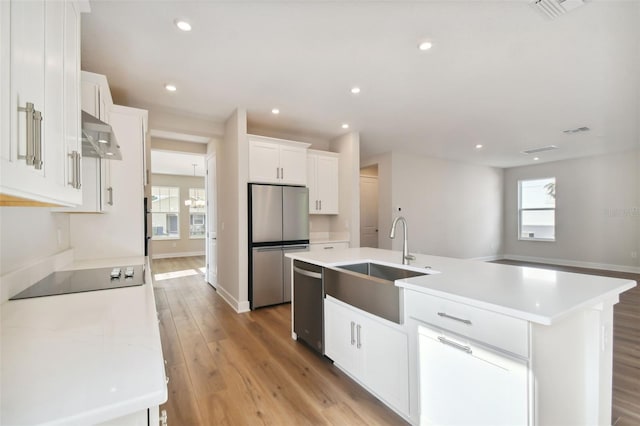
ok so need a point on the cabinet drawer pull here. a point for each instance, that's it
(445, 341)
(37, 140)
(359, 345)
(445, 315)
(29, 133)
(353, 340)
(328, 248)
(110, 191)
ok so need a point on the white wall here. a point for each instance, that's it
(232, 176)
(30, 233)
(348, 146)
(452, 208)
(597, 211)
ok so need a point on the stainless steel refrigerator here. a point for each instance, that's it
(278, 224)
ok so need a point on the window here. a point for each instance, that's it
(537, 209)
(197, 212)
(165, 209)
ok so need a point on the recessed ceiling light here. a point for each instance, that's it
(183, 25)
(275, 111)
(425, 45)
(536, 158)
(478, 146)
(355, 90)
(345, 126)
(170, 87)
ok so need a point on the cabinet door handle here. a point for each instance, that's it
(320, 202)
(110, 191)
(353, 340)
(29, 111)
(277, 172)
(37, 140)
(446, 341)
(74, 169)
(359, 345)
(445, 315)
(281, 173)
(79, 169)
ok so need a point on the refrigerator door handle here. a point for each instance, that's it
(271, 248)
(300, 247)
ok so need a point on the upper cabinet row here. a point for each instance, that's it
(285, 162)
(40, 103)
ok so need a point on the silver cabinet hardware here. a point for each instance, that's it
(74, 169)
(110, 191)
(353, 340)
(310, 274)
(277, 172)
(446, 341)
(320, 202)
(445, 315)
(328, 248)
(358, 327)
(29, 110)
(317, 205)
(79, 168)
(281, 173)
(37, 140)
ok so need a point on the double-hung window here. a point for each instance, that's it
(537, 209)
(197, 212)
(165, 209)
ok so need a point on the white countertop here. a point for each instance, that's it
(81, 358)
(538, 295)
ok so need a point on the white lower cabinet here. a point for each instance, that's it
(465, 383)
(371, 350)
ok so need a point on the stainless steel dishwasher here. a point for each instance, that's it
(308, 294)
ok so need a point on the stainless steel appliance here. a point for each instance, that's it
(83, 280)
(278, 224)
(308, 294)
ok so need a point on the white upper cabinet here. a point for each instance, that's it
(40, 86)
(277, 161)
(97, 189)
(322, 179)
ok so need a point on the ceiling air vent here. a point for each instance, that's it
(541, 149)
(554, 8)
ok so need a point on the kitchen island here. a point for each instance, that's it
(84, 358)
(481, 343)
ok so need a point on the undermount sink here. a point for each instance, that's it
(378, 270)
(369, 286)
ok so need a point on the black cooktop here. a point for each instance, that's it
(82, 280)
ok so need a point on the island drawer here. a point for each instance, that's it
(498, 330)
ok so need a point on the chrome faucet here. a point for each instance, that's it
(406, 257)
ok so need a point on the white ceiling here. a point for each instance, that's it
(175, 163)
(499, 74)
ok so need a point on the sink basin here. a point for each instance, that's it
(378, 270)
(369, 286)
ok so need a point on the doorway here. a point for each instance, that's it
(369, 206)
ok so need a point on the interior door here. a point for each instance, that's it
(211, 247)
(368, 211)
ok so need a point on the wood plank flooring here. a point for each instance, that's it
(626, 344)
(231, 369)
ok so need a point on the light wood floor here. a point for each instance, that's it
(230, 369)
(626, 345)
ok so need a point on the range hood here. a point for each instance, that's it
(98, 139)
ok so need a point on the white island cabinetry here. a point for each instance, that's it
(371, 350)
(277, 161)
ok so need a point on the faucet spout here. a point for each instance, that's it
(406, 257)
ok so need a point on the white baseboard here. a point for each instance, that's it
(177, 254)
(239, 307)
(487, 258)
(575, 263)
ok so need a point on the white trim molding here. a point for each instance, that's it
(177, 254)
(239, 307)
(575, 263)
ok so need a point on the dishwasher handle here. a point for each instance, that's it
(316, 275)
